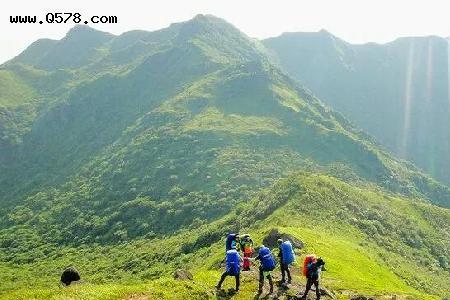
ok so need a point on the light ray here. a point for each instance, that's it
(429, 73)
(404, 135)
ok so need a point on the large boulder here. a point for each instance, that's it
(271, 239)
(70, 275)
(182, 274)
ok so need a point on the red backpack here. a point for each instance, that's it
(308, 259)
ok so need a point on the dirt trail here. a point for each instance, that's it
(291, 291)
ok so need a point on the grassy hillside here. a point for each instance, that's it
(374, 244)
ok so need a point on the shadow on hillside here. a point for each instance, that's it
(225, 294)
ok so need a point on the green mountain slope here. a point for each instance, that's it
(156, 141)
(374, 244)
(398, 92)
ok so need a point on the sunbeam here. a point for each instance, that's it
(429, 74)
(404, 134)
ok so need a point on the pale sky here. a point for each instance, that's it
(356, 21)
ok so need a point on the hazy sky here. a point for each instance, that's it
(353, 20)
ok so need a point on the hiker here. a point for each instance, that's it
(232, 241)
(247, 249)
(267, 265)
(312, 272)
(233, 268)
(287, 257)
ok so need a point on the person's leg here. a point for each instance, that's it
(238, 281)
(288, 272)
(283, 273)
(309, 284)
(222, 278)
(261, 280)
(269, 277)
(316, 284)
(246, 265)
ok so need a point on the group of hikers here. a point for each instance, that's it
(235, 244)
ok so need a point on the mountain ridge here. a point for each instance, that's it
(396, 91)
(182, 135)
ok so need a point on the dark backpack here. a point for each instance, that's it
(229, 242)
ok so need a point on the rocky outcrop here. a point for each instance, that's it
(271, 239)
(181, 274)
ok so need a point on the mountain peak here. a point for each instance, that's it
(325, 32)
(208, 18)
(85, 31)
(208, 23)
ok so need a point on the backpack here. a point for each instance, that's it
(247, 244)
(267, 260)
(288, 253)
(229, 242)
(309, 259)
(233, 263)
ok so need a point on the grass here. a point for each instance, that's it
(13, 91)
(213, 120)
(317, 212)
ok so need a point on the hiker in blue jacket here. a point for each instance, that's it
(233, 268)
(286, 256)
(267, 265)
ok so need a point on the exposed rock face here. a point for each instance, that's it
(70, 275)
(271, 239)
(182, 274)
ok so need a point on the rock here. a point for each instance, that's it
(326, 292)
(271, 239)
(359, 297)
(70, 275)
(182, 274)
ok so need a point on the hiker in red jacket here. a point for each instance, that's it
(247, 249)
(313, 276)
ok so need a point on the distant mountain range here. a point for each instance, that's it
(398, 92)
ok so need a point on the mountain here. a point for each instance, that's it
(374, 244)
(136, 155)
(397, 92)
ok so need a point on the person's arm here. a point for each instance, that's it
(255, 258)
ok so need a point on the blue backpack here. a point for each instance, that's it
(229, 243)
(267, 261)
(288, 253)
(233, 263)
